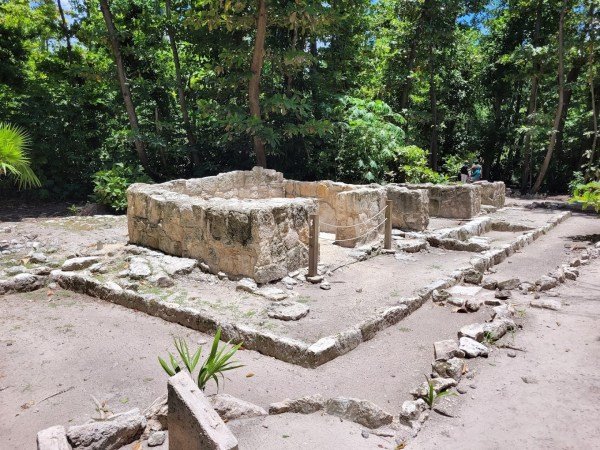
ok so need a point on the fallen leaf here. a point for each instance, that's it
(50, 293)
(27, 405)
(137, 446)
(249, 375)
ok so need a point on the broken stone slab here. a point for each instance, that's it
(362, 412)
(473, 305)
(53, 438)
(554, 305)
(161, 280)
(452, 368)
(439, 384)
(512, 283)
(158, 412)
(303, 405)
(271, 293)
(446, 349)
(178, 266)
(316, 279)
(545, 283)
(494, 330)
(111, 434)
(472, 348)
(489, 284)
(193, 423)
(464, 290)
(502, 295)
(411, 245)
(503, 311)
(139, 268)
(571, 274)
(232, 408)
(456, 302)
(287, 310)
(79, 263)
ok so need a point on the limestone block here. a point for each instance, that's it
(358, 214)
(53, 438)
(410, 208)
(492, 193)
(193, 423)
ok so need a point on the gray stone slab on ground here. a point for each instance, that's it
(193, 423)
(53, 438)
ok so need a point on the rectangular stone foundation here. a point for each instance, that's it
(453, 201)
(492, 193)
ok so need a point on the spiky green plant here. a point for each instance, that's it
(14, 146)
(432, 397)
(217, 362)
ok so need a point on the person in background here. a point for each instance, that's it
(464, 172)
(476, 171)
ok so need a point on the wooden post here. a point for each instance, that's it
(387, 240)
(313, 245)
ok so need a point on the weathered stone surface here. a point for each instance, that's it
(545, 283)
(23, 282)
(287, 310)
(492, 193)
(440, 295)
(303, 405)
(247, 285)
(411, 245)
(272, 293)
(512, 283)
(554, 305)
(158, 412)
(452, 368)
(410, 208)
(411, 410)
(232, 408)
(473, 305)
(503, 312)
(502, 295)
(193, 423)
(108, 434)
(53, 438)
(79, 263)
(439, 384)
(455, 201)
(473, 276)
(472, 348)
(447, 349)
(156, 438)
(139, 268)
(360, 411)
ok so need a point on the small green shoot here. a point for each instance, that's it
(432, 397)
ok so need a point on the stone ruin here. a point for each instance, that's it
(256, 223)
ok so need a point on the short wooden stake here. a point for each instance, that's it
(387, 240)
(313, 245)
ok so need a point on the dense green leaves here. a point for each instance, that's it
(350, 89)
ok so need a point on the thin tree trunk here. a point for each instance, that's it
(560, 106)
(133, 119)
(572, 77)
(592, 34)
(254, 85)
(65, 29)
(433, 144)
(193, 143)
(532, 106)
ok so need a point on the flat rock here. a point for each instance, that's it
(472, 276)
(303, 405)
(53, 438)
(411, 410)
(287, 310)
(464, 290)
(139, 268)
(79, 263)
(232, 408)
(511, 283)
(473, 305)
(489, 284)
(502, 295)
(446, 349)
(545, 282)
(109, 434)
(554, 305)
(439, 384)
(271, 293)
(440, 295)
(247, 285)
(362, 412)
(156, 438)
(472, 348)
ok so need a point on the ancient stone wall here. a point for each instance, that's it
(358, 213)
(410, 208)
(492, 193)
(453, 201)
(263, 239)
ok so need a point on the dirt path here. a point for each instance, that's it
(557, 406)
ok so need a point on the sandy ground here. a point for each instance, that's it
(58, 348)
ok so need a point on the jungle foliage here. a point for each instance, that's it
(354, 90)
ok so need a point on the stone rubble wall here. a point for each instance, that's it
(410, 208)
(452, 201)
(358, 213)
(492, 193)
(257, 183)
(261, 239)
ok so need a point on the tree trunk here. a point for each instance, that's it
(588, 174)
(433, 144)
(133, 120)
(572, 77)
(560, 106)
(65, 29)
(193, 143)
(532, 106)
(254, 84)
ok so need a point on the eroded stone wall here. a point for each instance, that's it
(410, 207)
(492, 193)
(263, 239)
(358, 213)
(453, 201)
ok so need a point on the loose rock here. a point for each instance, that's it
(231, 408)
(554, 305)
(472, 348)
(287, 310)
(108, 434)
